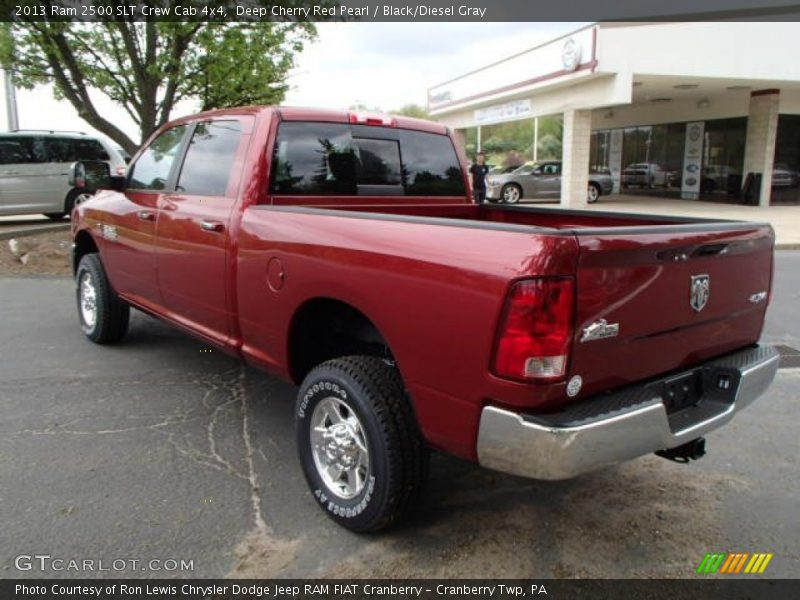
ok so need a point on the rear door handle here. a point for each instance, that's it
(146, 215)
(212, 226)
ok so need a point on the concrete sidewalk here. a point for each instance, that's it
(785, 220)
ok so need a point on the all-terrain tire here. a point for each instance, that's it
(370, 393)
(103, 316)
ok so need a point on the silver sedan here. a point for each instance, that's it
(540, 180)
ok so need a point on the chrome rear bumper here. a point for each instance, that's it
(613, 428)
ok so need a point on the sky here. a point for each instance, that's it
(384, 65)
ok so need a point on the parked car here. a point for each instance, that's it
(718, 177)
(502, 170)
(343, 253)
(540, 180)
(644, 175)
(784, 176)
(34, 167)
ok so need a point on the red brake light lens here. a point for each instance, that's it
(373, 119)
(536, 330)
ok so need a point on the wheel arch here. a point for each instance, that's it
(83, 244)
(323, 328)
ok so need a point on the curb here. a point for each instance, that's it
(7, 234)
(794, 246)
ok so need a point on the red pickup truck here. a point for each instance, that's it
(343, 252)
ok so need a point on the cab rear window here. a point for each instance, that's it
(337, 159)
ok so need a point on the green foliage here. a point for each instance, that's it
(149, 67)
(511, 143)
(412, 110)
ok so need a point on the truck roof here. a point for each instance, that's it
(296, 113)
(325, 115)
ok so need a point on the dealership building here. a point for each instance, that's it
(707, 111)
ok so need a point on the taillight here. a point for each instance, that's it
(373, 119)
(536, 329)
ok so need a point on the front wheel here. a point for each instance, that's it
(593, 193)
(358, 442)
(511, 193)
(103, 316)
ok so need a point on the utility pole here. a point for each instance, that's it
(11, 100)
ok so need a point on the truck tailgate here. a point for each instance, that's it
(678, 294)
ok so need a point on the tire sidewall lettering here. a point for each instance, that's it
(341, 510)
(326, 386)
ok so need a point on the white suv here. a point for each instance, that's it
(34, 169)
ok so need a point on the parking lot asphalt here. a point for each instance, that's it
(159, 449)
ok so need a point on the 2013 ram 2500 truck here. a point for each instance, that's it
(343, 252)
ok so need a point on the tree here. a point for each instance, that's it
(148, 67)
(412, 110)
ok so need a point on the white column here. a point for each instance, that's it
(575, 157)
(478, 145)
(762, 129)
(12, 119)
(535, 139)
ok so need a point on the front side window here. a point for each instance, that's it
(551, 169)
(151, 171)
(209, 158)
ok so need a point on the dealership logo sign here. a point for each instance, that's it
(571, 54)
(700, 291)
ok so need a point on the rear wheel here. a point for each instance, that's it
(511, 193)
(103, 316)
(593, 193)
(358, 442)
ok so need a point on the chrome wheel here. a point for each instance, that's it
(511, 194)
(339, 447)
(593, 194)
(88, 296)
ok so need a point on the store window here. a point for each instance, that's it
(786, 170)
(723, 156)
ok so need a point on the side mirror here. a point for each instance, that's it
(90, 175)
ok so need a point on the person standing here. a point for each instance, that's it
(479, 170)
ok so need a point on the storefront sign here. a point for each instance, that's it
(537, 67)
(693, 160)
(521, 109)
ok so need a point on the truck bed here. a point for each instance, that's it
(471, 215)
(632, 270)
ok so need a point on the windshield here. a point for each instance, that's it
(525, 169)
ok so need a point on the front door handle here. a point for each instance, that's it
(146, 215)
(212, 226)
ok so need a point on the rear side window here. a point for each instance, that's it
(209, 158)
(325, 159)
(151, 170)
(430, 165)
(16, 150)
(314, 159)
